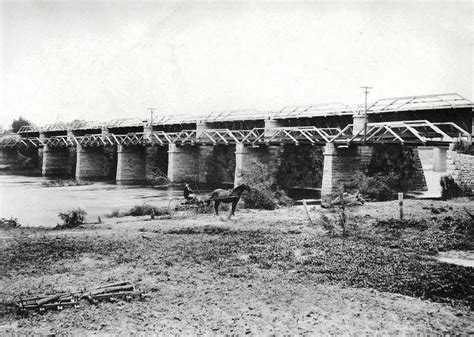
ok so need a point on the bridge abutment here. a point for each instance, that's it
(183, 163)
(131, 164)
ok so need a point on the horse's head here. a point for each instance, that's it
(240, 189)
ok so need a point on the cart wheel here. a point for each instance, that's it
(193, 210)
(176, 207)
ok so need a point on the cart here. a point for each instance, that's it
(180, 207)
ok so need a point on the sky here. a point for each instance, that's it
(103, 60)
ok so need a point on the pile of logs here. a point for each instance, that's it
(111, 292)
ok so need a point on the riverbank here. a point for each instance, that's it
(260, 272)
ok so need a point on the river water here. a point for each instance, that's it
(33, 204)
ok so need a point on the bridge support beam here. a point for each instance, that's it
(93, 162)
(183, 163)
(58, 162)
(340, 166)
(440, 159)
(256, 160)
(130, 164)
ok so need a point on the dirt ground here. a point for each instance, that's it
(202, 277)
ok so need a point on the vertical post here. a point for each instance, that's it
(306, 210)
(400, 204)
(343, 214)
(152, 110)
(366, 91)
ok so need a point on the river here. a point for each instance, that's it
(33, 204)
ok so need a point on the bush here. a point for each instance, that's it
(450, 189)
(9, 223)
(115, 214)
(145, 209)
(379, 187)
(464, 147)
(72, 218)
(263, 194)
(261, 198)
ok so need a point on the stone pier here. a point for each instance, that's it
(58, 161)
(262, 160)
(183, 163)
(131, 164)
(340, 166)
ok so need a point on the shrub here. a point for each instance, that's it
(263, 195)
(145, 209)
(158, 177)
(379, 187)
(260, 198)
(9, 223)
(115, 214)
(72, 218)
(464, 147)
(450, 189)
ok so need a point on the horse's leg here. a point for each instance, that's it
(234, 204)
(216, 206)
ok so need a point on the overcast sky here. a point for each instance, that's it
(102, 60)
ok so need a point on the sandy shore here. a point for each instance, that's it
(251, 274)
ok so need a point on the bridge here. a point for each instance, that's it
(180, 145)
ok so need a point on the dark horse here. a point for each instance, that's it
(227, 196)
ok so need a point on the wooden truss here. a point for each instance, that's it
(420, 132)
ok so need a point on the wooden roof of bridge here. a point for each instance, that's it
(410, 103)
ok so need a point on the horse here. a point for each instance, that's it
(227, 196)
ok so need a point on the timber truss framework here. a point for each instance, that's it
(421, 132)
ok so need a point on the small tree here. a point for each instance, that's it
(18, 123)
